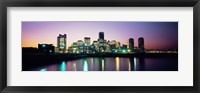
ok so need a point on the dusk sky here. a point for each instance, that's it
(157, 35)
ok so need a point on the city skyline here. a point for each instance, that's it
(157, 35)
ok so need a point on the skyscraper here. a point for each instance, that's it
(101, 35)
(141, 44)
(62, 43)
(101, 42)
(131, 44)
(87, 41)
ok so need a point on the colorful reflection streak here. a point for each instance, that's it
(85, 66)
(63, 66)
(114, 64)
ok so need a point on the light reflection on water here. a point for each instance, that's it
(63, 66)
(114, 64)
(85, 66)
(117, 63)
(135, 64)
(44, 69)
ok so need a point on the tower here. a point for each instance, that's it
(101, 35)
(101, 42)
(62, 43)
(141, 44)
(131, 44)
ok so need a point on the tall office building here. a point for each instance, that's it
(62, 43)
(141, 44)
(101, 35)
(131, 44)
(87, 41)
(101, 42)
(80, 46)
(87, 44)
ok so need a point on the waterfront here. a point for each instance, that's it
(99, 46)
(113, 64)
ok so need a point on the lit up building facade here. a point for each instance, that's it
(87, 41)
(108, 48)
(118, 46)
(80, 43)
(105, 46)
(124, 48)
(62, 43)
(80, 46)
(96, 45)
(87, 44)
(75, 47)
(112, 45)
(101, 42)
(141, 44)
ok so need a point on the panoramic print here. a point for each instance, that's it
(99, 46)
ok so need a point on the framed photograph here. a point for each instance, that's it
(140, 46)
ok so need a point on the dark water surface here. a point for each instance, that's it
(114, 64)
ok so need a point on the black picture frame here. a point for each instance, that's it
(100, 3)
